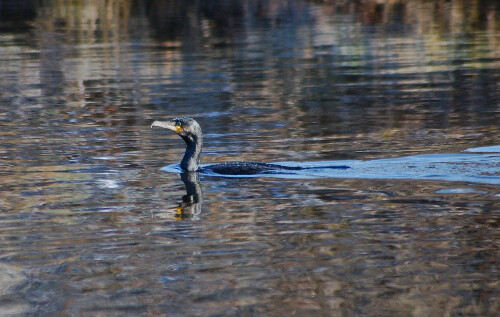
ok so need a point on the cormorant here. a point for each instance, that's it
(190, 131)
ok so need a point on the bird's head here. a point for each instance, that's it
(186, 128)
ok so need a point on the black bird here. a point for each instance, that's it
(190, 131)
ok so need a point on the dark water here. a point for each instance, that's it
(407, 93)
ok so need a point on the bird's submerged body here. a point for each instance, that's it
(245, 168)
(190, 131)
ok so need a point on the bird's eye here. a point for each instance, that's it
(177, 123)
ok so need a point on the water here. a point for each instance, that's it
(407, 94)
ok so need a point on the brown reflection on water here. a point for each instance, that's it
(385, 249)
(109, 20)
(416, 76)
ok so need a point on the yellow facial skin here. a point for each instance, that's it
(177, 127)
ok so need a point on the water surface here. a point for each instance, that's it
(480, 168)
(407, 94)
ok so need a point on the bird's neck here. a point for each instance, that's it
(191, 158)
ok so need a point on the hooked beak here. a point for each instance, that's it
(167, 125)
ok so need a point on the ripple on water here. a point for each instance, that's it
(458, 167)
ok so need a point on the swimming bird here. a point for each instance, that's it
(190, 131)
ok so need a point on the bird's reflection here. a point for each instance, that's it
(190, 207)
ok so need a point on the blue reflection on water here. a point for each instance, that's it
(460, 167)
